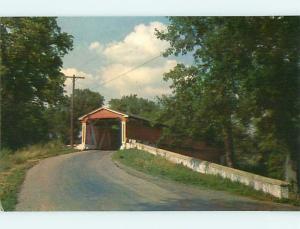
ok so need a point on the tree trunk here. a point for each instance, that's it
(228, 142)
(292, 172)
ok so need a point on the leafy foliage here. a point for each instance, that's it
(31, 60)
(242, 90)
(85, 101)
(134, 105)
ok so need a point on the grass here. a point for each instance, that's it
(159, 166)
(14, 165)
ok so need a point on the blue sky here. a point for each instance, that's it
(105, 47)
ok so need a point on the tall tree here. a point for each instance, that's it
(247, 70)
(208, 39)
(31, 60)
(134, 105)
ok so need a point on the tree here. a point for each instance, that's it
(31, 60)
(184, 111)
(246, 70)
(215, 74)
(133, 105)
(85, 101)
(58, 117)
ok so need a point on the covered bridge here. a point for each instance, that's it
(107, 129)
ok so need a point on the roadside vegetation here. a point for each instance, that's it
(240, 94)
(160, 167)
(14, 165)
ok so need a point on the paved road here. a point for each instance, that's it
(90, 180)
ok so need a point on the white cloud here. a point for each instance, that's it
(145, 81)
(96, 46)
(137, 47)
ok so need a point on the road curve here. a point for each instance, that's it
(91, 181)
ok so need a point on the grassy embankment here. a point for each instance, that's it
(14, 165)
(159, 166)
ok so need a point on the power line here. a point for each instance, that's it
(131, 70)
(122, 74)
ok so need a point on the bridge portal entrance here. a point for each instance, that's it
(108, 129)
(107, 134)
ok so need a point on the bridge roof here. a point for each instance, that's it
(105, 112)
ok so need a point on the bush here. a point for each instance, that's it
(4, 152)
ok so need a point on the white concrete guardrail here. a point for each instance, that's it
(277, 188)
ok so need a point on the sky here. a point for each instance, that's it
(105, 47)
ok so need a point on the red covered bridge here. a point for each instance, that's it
(108, 129)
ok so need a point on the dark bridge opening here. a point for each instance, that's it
(107, 134)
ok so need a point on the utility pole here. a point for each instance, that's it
(72, 108)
